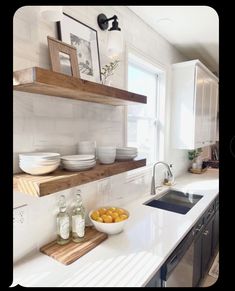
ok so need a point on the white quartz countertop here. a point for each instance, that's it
(132, 257)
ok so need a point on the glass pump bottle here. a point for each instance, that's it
(78, 219)
(63, 223)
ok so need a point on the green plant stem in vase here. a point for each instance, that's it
(108, 70)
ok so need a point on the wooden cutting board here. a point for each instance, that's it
(67, 254)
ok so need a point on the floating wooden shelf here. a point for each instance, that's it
(42, 81)
(61, 180)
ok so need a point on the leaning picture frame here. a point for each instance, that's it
(63, 57)
(85, 39)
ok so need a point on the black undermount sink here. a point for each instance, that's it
(175, 201)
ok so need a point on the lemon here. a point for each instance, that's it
(118, 219)
(102, 210)
(112, 209)
(114, 215)
(109, 212)
(99, 219)
(95, 214)
(123, 216)
(120, 211)
(108, 219)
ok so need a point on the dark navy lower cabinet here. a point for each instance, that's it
(215, 235)
(206, 247)
(197, 270)
(155, 281)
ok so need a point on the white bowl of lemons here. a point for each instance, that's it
(109, 219)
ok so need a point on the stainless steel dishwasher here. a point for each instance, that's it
(178, 270)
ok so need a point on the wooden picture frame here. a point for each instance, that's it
(63, 57)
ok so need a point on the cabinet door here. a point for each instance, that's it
(206, 246)
(215, 236)
(206, 100)
(199, 86)
(213, 111)
(197, 274)
(155, 281)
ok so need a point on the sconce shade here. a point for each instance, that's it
(115, 38)
(115, 43)
(51, 13)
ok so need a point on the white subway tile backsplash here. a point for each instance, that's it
(22, 105)
(63, 108)
(43, 106)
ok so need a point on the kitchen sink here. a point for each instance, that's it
(175, 201)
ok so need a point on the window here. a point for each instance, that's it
(144, 129)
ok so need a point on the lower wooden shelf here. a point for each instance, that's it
(61, 180)
(67, 254)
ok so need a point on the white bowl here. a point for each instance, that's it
(38, 170)
(110, 228)
(106, 150)
(39, 155)
(39, 163)
(104, 160)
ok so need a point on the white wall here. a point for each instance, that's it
(57, 124)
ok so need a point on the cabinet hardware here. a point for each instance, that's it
(206, 232)
(200, 227)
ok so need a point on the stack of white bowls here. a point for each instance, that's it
(106, 155)
(39, 163)
(78, 162)
(126, 153)
(86, 147)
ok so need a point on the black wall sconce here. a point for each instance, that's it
(103, 22)
(115, 38)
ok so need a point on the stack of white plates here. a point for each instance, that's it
(78, 162)
(39, 163)
(126, 153)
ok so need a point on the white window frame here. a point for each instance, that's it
(139, 58)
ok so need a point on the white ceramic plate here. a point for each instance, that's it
(78, 163)
(130, 157)
(78, 157)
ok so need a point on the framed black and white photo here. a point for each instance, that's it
(85, 39)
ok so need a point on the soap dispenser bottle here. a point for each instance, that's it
(78, 219)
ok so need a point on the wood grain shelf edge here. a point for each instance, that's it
(59, 180)
(42, 81)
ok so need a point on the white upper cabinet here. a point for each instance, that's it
(194, 105)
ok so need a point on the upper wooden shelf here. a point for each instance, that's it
(61, 180)
(42, 81)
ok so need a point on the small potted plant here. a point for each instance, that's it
(193, 156)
